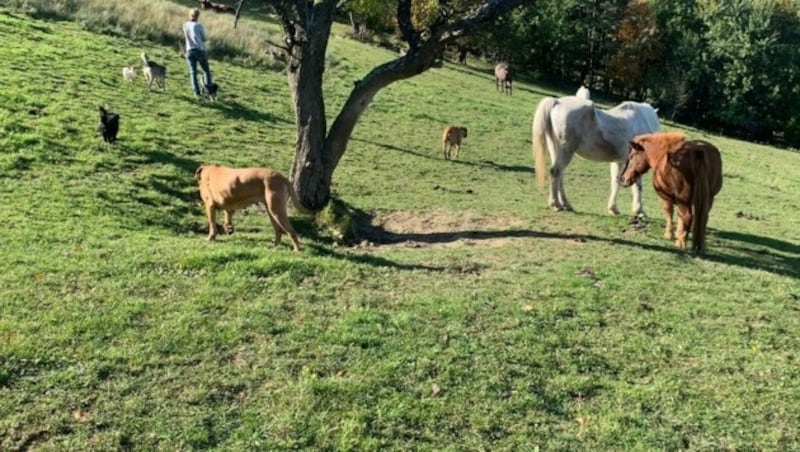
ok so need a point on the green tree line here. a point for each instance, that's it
(728, 65)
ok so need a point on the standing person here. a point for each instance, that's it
(195, 37)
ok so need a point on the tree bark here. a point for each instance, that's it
(307, 25)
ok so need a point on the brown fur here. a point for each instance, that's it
(231, 189)
(685, 173)
(503, 78)
(154, 72)
(451, 140)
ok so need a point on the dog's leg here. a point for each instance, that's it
(277, 228)
(228, 222)
(276, 206)
(211, 214)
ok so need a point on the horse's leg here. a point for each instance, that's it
(612, 199)
(667, 206)
(636, 192)
(557, 191)
(684, 224)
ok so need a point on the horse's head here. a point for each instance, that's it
(635, 166)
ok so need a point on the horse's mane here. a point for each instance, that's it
(667, 142)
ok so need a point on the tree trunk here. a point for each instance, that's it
(307, 25)
(305, 71)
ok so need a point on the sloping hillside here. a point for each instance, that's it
(478, 320)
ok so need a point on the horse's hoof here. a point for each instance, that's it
(211, 238)
(229, 229)
(613, 210)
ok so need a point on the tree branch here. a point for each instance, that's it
(238, 13)
(410, 35)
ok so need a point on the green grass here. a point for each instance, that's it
(491, 323)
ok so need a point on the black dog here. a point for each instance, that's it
(109, 125)
(210, 91)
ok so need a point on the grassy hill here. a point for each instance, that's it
(479, 320)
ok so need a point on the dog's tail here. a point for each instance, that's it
(145, 60)
(295, 200)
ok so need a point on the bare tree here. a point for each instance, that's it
(307, 25)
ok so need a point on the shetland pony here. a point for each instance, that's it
(503, 78)
(685, 173)
(573, 125)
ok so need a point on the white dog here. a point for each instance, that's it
(129, 73)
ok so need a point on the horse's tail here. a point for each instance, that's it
(701, 200)
(540, 128)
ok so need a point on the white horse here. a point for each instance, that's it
(572, 124)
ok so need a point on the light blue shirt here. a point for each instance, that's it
(195, 35)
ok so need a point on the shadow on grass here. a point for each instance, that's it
(480, 164)
(725, 253)
(234, 110)
(375, 261)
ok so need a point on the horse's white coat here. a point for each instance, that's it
(573, 125)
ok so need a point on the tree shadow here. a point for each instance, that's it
(234, 110)
(768, 242)
(480, 164)
(373, 260)
(726, 253)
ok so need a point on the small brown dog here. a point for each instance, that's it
(231, 189)
(451, 139)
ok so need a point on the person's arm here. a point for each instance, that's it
(202, 32)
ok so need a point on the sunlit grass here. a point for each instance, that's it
(490, 322)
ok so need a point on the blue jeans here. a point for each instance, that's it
(193, 57)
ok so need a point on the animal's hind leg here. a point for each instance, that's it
(228, 226)
(667, 206)
(558, 195)
(684, 224)
(211, 214)
(276, 206)
(277, 228)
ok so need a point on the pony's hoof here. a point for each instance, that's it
(613, 210)
(229, 229)
(211, 238)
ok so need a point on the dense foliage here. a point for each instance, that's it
(726, 64)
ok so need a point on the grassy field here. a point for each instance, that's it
(478, 319)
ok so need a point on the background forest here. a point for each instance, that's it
(727, 65)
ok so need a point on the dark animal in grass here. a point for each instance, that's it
(209, 92)
(109, 125)
(217, 7)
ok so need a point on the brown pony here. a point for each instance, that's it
(502, 78)
(686, 173)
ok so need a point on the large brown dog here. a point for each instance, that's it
(231, 189)
(451, 140)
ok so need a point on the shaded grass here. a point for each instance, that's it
(122, 328)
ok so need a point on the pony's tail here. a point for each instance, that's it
(198, 173)
(540, 128)
(700, 202)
